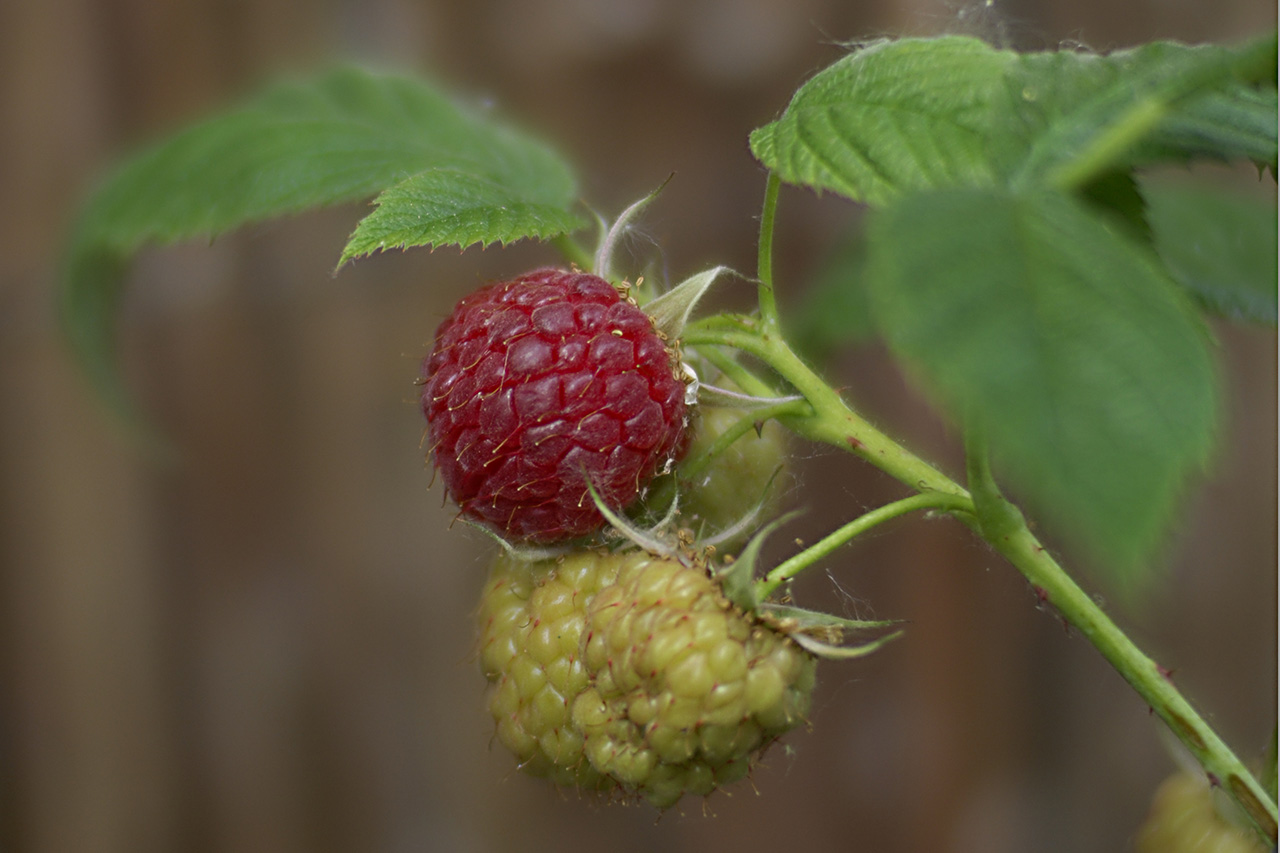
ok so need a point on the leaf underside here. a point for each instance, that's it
(1088, 370)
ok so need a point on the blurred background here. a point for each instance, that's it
(268, 647)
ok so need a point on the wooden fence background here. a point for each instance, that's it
(268, 646)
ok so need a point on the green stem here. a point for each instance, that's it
(764, 261)
(695, 465)
(1003, 526)
(1055, 586)
(996, 517)
(831, 421)
(791, 567)
(1269, 765)
(574, 252)
(743, 378)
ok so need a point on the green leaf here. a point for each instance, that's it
(1032, 318)
(342, 136)
(916, 114)
(835, 310)
(799, 618)
(1220, 245)
(822, 634)
(450, 207)
(670, 312)
(1116, 194)
(1138, 107)
(1239, 123)
(891, 117)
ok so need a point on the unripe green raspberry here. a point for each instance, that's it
(634, 671)
(687, 687)
(1184, 819)
(749, 476)
(531, 623)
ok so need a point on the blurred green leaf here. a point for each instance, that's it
(1220, 245)
(1142, 106)
(835, 309)
(1116, 194)
(345, 135)
(1087, 369)
(899, 116)
(1237, 123)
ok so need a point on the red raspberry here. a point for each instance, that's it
(535, 385)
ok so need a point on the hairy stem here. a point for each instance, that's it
(789, 568)
(1002, 525)
(749, 421)
(764, 261)
(831, 421)
(574, 252)
(743, 378)
(1269, 765)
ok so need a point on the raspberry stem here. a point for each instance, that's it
(791, 567)
(830, 420)
(574, 252)
(741, 376)
(764, 261)
(1269, 763)
(695, 465)
(1003, 526)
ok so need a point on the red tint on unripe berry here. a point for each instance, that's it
(538, 384)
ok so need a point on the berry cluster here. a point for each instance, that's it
(610, 671)
(631, 672)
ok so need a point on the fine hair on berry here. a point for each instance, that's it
(540, 385)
